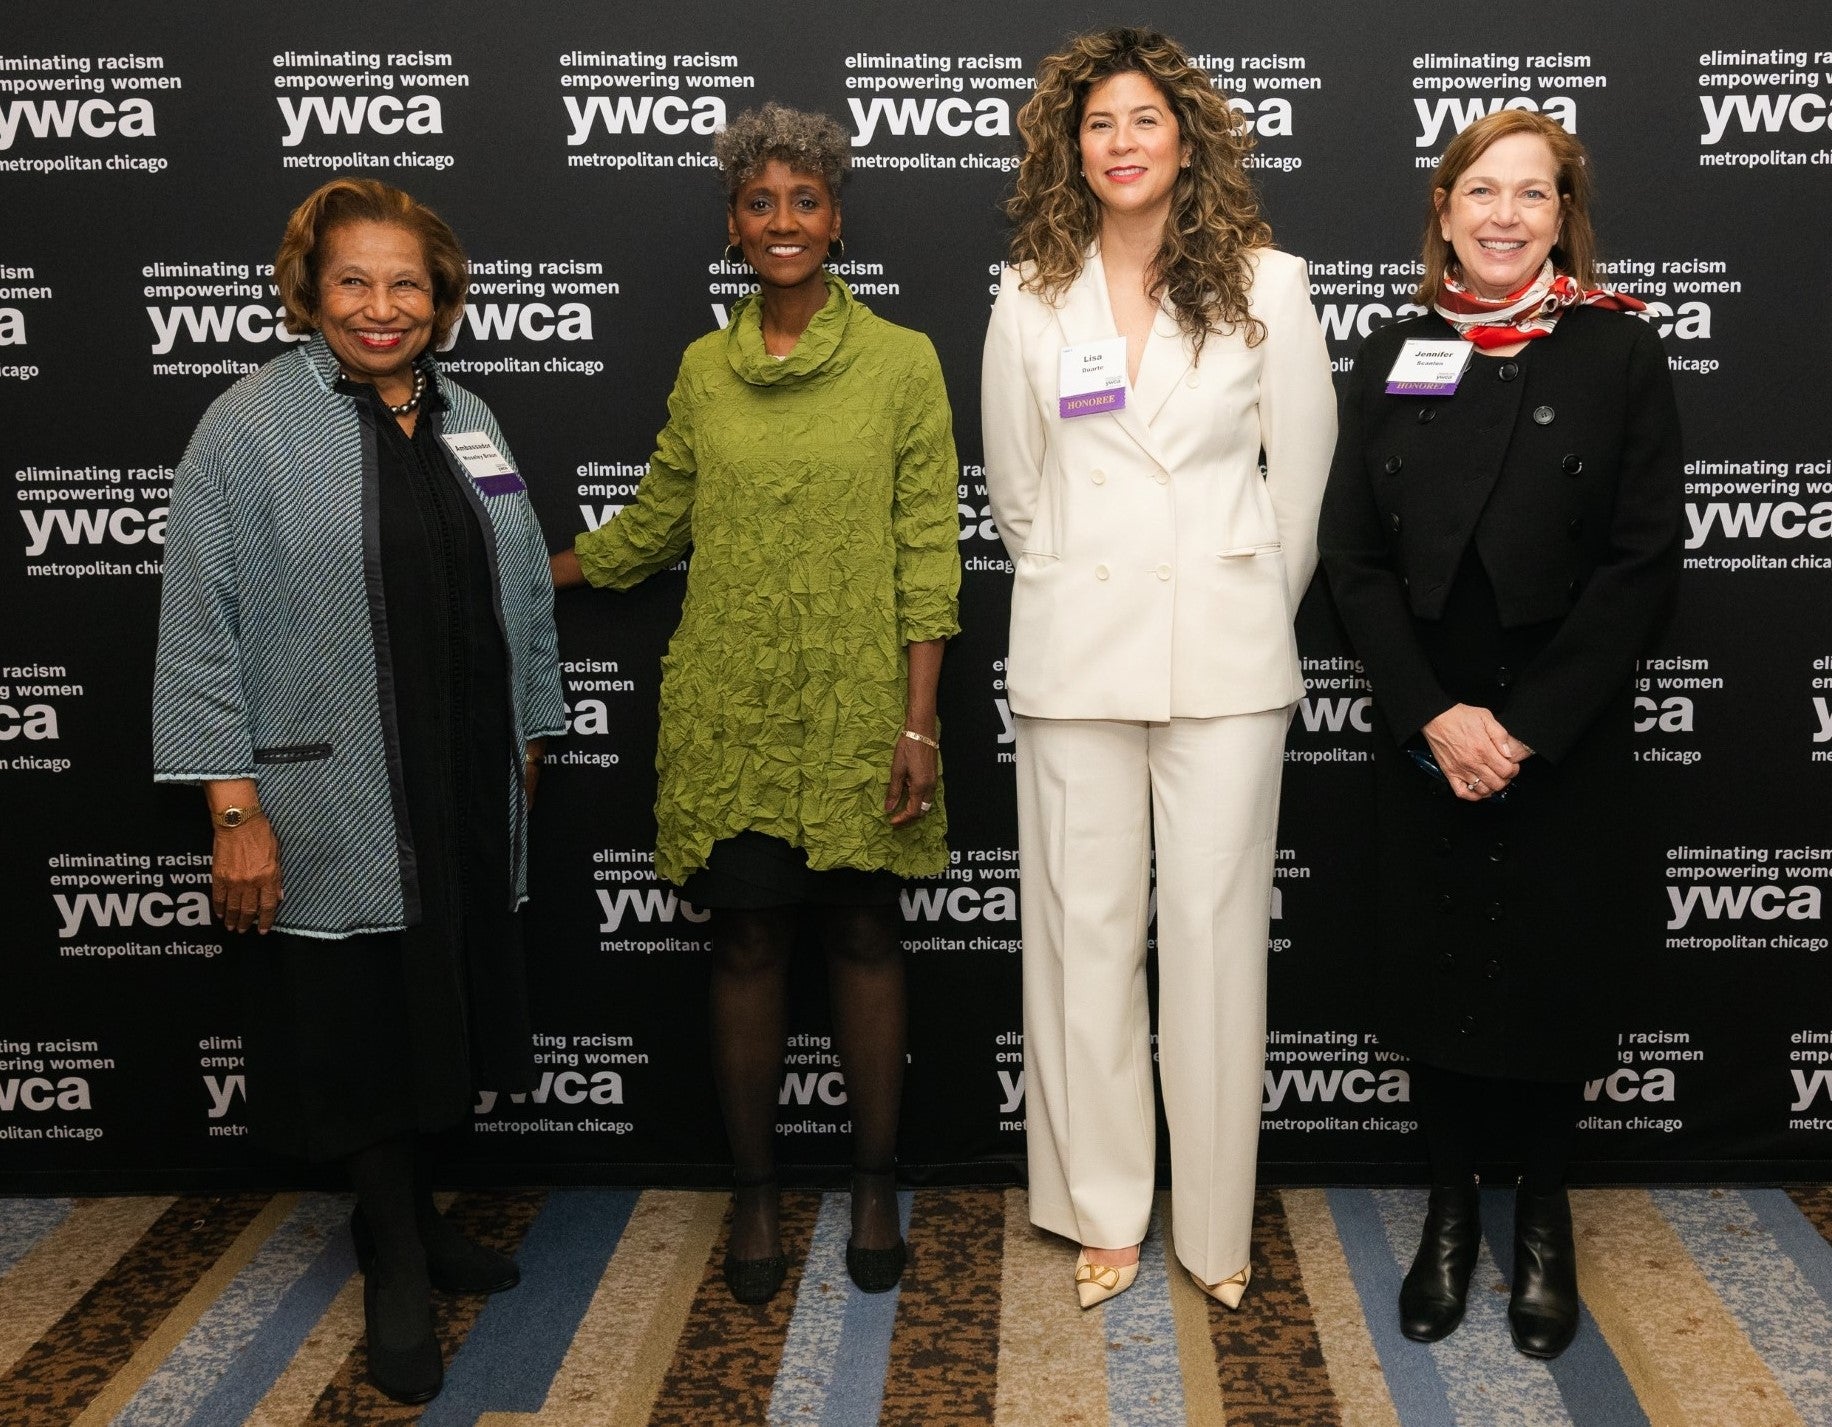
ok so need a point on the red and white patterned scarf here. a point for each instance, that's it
(1531, 310)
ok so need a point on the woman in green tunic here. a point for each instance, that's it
(809, 461)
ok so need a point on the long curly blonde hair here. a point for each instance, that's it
(1203, 266)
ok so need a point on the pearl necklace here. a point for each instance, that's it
(419, 390)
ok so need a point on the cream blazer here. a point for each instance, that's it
(1157, 570)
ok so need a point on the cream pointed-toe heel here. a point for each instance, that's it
(1097, 1282)
(1230, 1290)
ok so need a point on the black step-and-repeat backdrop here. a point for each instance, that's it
(148, 159)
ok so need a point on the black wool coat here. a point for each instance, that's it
(1513, 546)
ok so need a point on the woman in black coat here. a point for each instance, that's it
(1501, 547)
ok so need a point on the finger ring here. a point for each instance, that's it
(1471, 787)
(924, 807)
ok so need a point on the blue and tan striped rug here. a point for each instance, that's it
(1702, 1307)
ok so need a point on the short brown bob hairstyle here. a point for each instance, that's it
(1575, 249)
(366, 200)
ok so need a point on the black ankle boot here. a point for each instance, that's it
(754, 1280)
(1436, 1287)
(876, 1270)
(404, 1361)
(1543, 1308)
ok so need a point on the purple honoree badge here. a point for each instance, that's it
(1092, 378)
(505, 483)
(1090, 402)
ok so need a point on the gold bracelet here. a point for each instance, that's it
(922, 738)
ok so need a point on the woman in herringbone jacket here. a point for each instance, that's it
(357, 665)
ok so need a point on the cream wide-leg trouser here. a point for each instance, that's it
(1092, 796)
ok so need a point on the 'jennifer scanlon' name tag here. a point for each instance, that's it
(483, 463)
(1093, 378)
(1428, 368)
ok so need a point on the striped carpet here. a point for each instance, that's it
(1701, 1307)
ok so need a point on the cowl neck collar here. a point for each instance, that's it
(817, 350)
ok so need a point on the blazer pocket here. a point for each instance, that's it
(293, 753)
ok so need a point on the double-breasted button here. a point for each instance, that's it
(1098, 476)
(1575, 527)
(1498, 851)
(1493, 970)
(1504, 676)
(1543, 415)
(1161, 477)
(1164, 572)
(1405, 582)
(1100, 572)
(1393, 465)
(1447, 960)
(1393, 521)
(1443, 847)
(1508, 371)
(1427, 415)
(1494, 911)
(1447, 903)
(1467, 1025)
(1571, 465)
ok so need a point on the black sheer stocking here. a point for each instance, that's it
(866, 986)
(1448, 1111)
(401, 1302)
(749, 1005)
(1531, 1122)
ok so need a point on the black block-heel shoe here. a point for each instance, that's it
(876, 1270)
(754, 1280)
(1543, 1307)
(404, 1362)
(1436, 1287)
(453, 1263)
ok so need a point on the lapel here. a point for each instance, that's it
(1086, 315)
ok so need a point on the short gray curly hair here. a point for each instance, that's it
(807, 143)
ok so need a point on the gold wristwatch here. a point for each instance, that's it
(234, 817)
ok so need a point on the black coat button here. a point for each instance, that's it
(1446, 960)
(1405, 582)
(1543, 415)
(1443, 847)
(1571, 465)
(1494, 911)
(1576, 527)
(1427, 415)
(1393, 520)
(1493, 969)
(1498, 852)
(1509, 370)
(1393, 465)
(1467, 1025)
(1504, 676)
(1575, 588)
(1447, 903)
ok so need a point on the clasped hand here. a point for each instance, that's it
(1478, 756)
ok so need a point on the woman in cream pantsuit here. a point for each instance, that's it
(1152, 664)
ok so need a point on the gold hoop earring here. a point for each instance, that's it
(733, 253)
(840, 256)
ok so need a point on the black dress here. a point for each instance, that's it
(366, 1038)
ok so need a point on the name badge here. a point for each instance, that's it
(1093, 378)
(1428, 368)
(483, 463)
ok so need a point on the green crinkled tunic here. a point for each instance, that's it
(818, 493)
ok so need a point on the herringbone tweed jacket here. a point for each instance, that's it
(273, 659)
